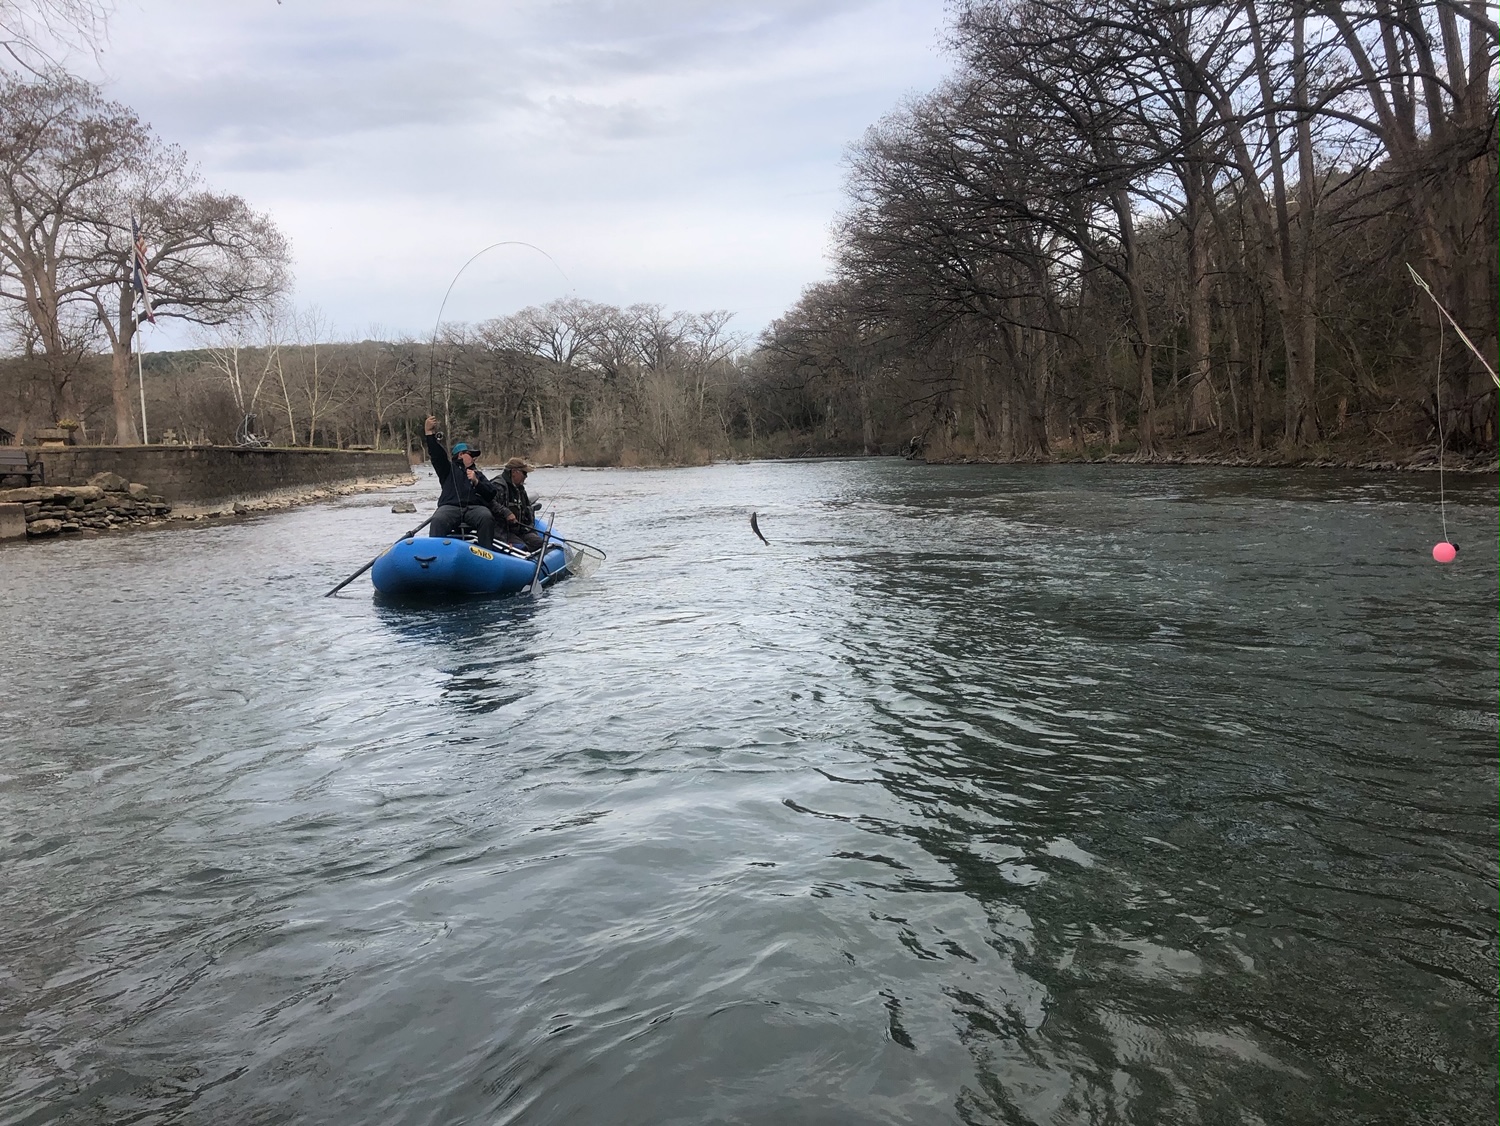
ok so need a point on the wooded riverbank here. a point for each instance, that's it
(1323, 456)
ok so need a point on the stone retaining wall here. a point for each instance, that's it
(93, 489)
(109, 501)
(216, 476)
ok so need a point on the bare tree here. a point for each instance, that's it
(35, 32)
(315, 371)
(211, 259)
(75, 170)
(63, 149)
(387, 384)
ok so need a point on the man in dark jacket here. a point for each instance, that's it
(514, 507)
(466, 492)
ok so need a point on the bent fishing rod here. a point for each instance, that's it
(432, 352)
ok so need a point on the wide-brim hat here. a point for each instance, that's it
(518, 463)
(465, 448)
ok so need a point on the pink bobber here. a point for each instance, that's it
(1444, 552)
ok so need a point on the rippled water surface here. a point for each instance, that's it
(1017, 795)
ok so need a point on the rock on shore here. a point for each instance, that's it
(286, 498)
(108, 501)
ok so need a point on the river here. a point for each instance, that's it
(981, 795)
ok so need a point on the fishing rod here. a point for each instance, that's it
(432, 353)
(1464, 336)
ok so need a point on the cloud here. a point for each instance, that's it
(680, 151)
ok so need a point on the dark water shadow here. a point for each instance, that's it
(482, 648)
(453, 622)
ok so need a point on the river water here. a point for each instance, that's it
(982, 794)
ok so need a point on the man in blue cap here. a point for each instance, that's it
(466, 492)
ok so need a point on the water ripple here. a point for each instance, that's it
(984, 795)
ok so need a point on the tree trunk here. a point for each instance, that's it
(1258, 378)
(866, 420)
(286, 396)
(1141, 320)
(1236, 371)
(1200, 285)
(1299, 311)
(119, 371)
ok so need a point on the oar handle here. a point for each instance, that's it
(372, 562)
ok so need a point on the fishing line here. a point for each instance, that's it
(432, 354)
(1442, 495)
(1446, 551)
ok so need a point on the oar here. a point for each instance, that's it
(372, 562)
(536, 577)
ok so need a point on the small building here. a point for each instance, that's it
(6, 437)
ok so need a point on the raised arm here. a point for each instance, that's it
(435, 451)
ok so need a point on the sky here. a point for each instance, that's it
(687, 153)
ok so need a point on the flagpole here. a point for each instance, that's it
(141, 379)
(138, 283)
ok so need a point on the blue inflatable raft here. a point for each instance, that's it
(451, 567)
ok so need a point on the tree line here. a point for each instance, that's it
(571, 381)
(1123, 223)
(1120, 225)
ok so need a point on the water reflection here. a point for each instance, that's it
(483, 650)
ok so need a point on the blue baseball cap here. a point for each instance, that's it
(465, 448)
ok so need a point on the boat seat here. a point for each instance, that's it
(467, 535)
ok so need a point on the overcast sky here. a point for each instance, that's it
(681, 152)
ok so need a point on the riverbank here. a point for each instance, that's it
(1322, 456)
(109, 503)
(93, 489)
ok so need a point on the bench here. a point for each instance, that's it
(15, 462)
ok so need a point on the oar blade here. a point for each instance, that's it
(541, 558)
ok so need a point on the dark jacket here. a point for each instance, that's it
(457, 489)
(512, 497)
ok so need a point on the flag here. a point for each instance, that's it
(139, 275)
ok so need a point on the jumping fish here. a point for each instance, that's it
(755, 527)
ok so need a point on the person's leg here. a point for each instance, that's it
(446, 518)
(482, 520)
(532, 540)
